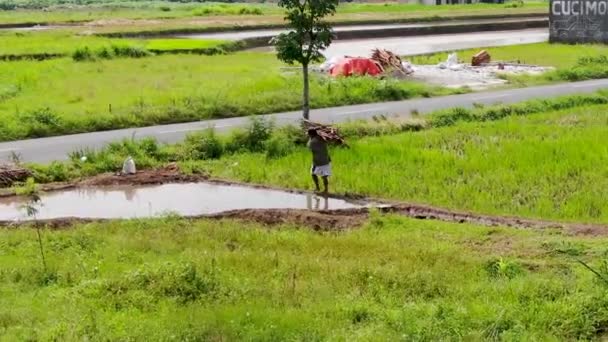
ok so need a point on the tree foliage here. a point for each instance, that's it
(308, 36)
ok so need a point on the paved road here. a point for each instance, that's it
(56, 148)
(269, 33)
(411, 46)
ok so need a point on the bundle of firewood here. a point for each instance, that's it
(10, 174)
(388, 60)
(327, 133)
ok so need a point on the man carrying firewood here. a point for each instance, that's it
(321, 162)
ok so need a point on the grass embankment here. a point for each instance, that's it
(572, 62)
(174, 15)
(540, 159)
(118, 93)
(396, 279)
(66, 42)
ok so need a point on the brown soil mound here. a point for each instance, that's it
(431, 213)
(317, 220)
(168, 174)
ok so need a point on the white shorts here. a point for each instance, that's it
(323, 170)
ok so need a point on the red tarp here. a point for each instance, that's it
(356, 66)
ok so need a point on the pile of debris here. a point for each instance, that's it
(11, 174)
(381, 62)
(390, 61)
(481, 73)
(327, 133)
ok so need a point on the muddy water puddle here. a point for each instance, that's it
(188, 199)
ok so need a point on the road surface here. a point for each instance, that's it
(410, 46)
(57, 148)
(269, 33)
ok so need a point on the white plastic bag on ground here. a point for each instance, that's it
(452, 59)
(128, 167)
(450, 63)
(330, 63)
(407, 66)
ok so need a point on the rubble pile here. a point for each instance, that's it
(389, 60)
(481, 73)
(381, 62)
(11, 173)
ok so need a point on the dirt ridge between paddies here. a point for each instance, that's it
(528, 21)
(318, 220)
(215, 29)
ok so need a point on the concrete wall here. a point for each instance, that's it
(578, 21)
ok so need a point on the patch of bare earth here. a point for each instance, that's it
(168, 174)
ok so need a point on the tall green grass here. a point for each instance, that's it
(395, 279)
(549, 165)
(119, 93)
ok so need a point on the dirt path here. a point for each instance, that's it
(329, 220)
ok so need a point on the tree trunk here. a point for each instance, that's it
(306, 93)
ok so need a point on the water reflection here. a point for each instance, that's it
(313, 202)
(182, 199)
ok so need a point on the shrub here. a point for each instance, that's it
(130, 51)
(105, 53)
(450, 117)
(237, 141)
(205, 145)
(254, 138)
(7, 6)
(83, 54)
(279, 145)
(165, 9)
(259, 131)
(42, 122)
(54, 172)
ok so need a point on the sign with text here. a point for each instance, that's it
(578, 21)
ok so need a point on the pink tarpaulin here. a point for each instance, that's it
(356, 66)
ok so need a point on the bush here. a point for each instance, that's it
(451, 116)
(83, 54)
(42, 122)
(7, 6)
(105, 53)
(259, 131)
(205, 145)
(165, 9)
(279, 145)
(54, 172)
(254, 138)
(130, 51)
